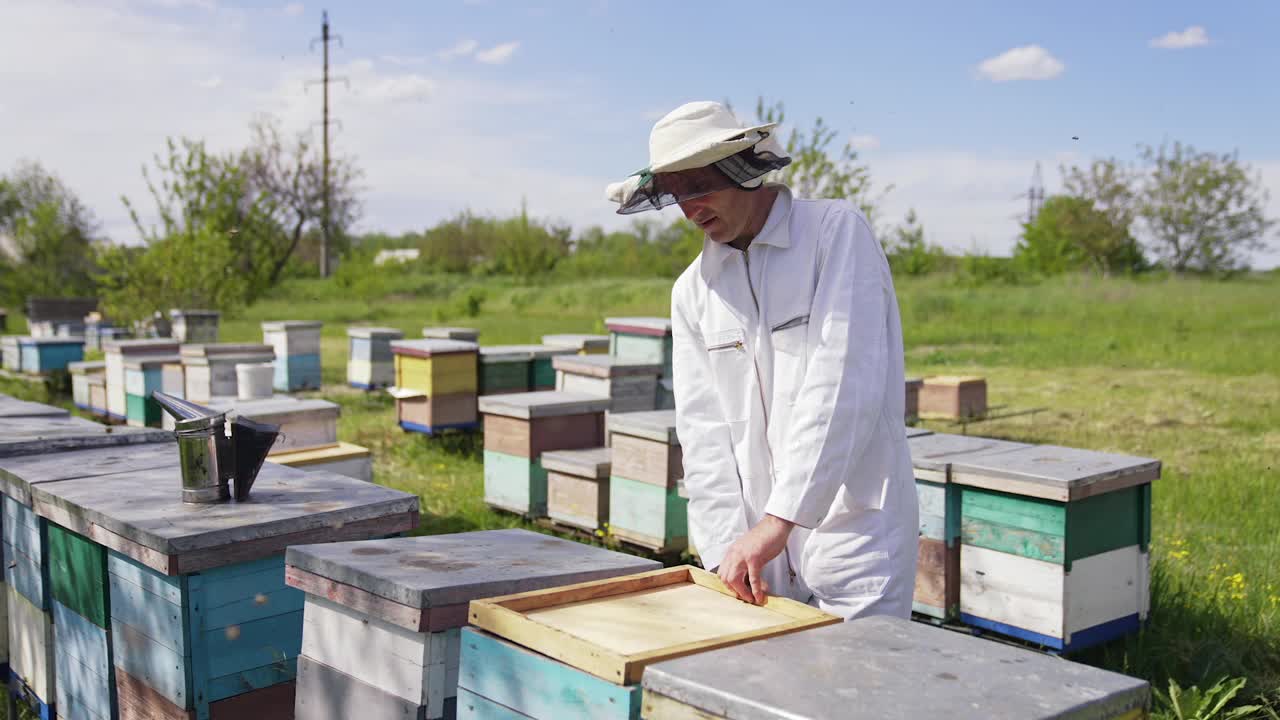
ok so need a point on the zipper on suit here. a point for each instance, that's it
(746, 263)
(734, 345)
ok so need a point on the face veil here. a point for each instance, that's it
(653, 191)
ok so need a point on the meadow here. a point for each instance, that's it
(1183, 370)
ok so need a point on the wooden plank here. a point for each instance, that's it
(438, 410)
(81, 688)
(150, 614)
(439, 375)
(162, 669)
(894, 668)
(78, 574)
(140, 701)
(1105, 587)
(603, 367)
(648, 510)
(536, 685)
(325, 693)
(410, 618)
(269, 641)
(275, 702)
(542, 405)
(1013, 590)
(1056, 473)
(646, 461)
(31, 645)
(170, 588)
(953, 398)
(477, 707)
(937, 579)
(594, 463)
(81, 639)
(656, 425)
(661, 707)
(448, 341)
(515, 484)
(531, 438)
(508, 617)
(25, 575)
(577, 501)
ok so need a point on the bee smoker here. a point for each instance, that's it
(216, 465)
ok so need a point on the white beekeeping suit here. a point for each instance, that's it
(789, 392)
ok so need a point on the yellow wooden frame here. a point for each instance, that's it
(505, 616)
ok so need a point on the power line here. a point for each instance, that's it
(325, 81)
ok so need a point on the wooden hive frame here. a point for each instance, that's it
(505, 616)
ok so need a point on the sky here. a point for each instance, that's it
(480, 105)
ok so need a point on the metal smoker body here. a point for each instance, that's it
(215, 465)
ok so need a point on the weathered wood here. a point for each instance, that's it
(82, 660)
(275, 702)
(439, 374)
(583, 344)
(953, 397)
(287, 506)
(546, 688)
(577, 501)
(645, 460)
(438, 410)
(932, 454)
(78, 574)
(433, 347)
(937, 592)
(896, 670)
(656, 425)
(115, 352)
(478, 707)
(589, 463)
(292, 337)
(345, 458)
(648, 514)
(465, 334)
(913, 386)
(214, 376)
(1055, 473)
(325, 693)
(530, 438)
(515, 484)
(626, 394)
(446, 570)
(656, 326)
(31, 651)
(304, 424)
(621, 625)
(360, 600)
(604, 367)
(297, 372)
(542, 405)
(27, 436)
(13, 408)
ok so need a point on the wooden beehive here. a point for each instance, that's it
(304, 424)
(11, 353)
(451, 333)
(505, 369)
(937, 590)
(583, 344)
(435, 367)
(342, 458)
(542, 374)
(646, 507)
(45, 355)
(518, 428)
(580, 650)
(641, 340)
(195, 326)
(418, 412)
(80, 372)
(1054, 544)
(891, 668)
(297, 353)
(913, 399)
(97, 389)
(209, 370)
(370, 363)
(578, 487)
(630, 387)
(953, 398)
(116, 352)
(405, 600)
(143, 376)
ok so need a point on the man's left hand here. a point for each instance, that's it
(742, 568)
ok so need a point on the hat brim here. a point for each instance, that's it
(707, 150)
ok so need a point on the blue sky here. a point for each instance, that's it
(478, 104)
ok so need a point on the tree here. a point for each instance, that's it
(817, 170)
(907, 250)
(48, 234)
(1070, 233)
(1203, 211)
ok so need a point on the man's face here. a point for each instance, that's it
(723, 215)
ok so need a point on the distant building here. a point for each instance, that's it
(385, 256)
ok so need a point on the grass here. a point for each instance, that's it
(1187, 371)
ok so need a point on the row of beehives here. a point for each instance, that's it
(121, 601)
(146, 608)
(437, 380)
(1046, 544)
(54, 344)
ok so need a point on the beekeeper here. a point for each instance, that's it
(788, 381)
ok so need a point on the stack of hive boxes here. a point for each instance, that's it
(630, 387)
(209, 370)
(542, 372)
(194, 326)
(645, 340)
(371, 364)
(578, 487)
(518, 428)
(645, 505)
(435, 385)
(143, 376)
(84, 682)
(583, 344)
(1054, 544)
(382, 618)
(80, 373)
(297, 347)
(97, 388)
(937, 591)
(26, 576)
(98, 330)
(117, 353)
(43, 355)
(11, 352)
(308, 434)
(580, 650)
(504, 369)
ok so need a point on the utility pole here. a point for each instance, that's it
(1035, 195)
(325, 217)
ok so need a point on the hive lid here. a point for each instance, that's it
(1056, 473)
(141, 347)
(150, 361)
(577, 341)
(428, 347)
(546, 403)
(894, 668)
(278, 325)
(451, 333)
(217, 349)
(602, 366)
(594, 463)
(938, 451)
(656, 425)
(372, 332)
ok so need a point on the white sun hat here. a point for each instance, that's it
(698, 135)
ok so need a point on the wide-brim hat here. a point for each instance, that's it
(696, 135)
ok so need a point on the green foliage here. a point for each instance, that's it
(52, 235)
(1071, 234)
(1210, 704)
(817, 169)
(907, 251)
(647, 249)
(976, 269)
(1204, 211)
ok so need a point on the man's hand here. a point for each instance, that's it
(742, 568)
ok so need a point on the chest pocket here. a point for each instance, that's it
(790, 356)
(732, 372)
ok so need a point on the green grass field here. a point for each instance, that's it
(1187, 371)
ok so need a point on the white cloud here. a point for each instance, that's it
(213, 82)
(404, 59)
(463, 48)
(294, 9)
(1193, 36)
(1029, 62)
(401, 88)
(864, 142)
(497, 54)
